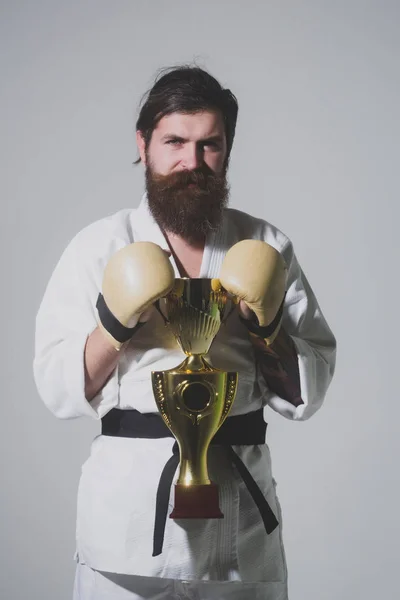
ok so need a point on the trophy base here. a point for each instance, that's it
(196, 502)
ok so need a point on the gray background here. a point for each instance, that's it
(316, 153)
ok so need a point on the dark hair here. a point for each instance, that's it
(186, 89)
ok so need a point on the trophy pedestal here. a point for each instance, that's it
(196, 502)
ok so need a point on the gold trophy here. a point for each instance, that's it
(194, 398)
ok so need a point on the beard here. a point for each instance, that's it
(189, 204)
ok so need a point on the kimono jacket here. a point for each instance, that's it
(117, 489)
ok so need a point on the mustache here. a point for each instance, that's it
(203, 178)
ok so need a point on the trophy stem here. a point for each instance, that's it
(193, 466)
(195, 362)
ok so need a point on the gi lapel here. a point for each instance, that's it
(145, 228)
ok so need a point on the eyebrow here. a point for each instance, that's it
(213, 138)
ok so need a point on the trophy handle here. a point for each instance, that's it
(158, 307)
(235, 302)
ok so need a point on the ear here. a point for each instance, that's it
(141, 146)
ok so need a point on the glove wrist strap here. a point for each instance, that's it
(111, 324)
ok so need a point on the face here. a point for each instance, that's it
(186, 162)
(186, 142)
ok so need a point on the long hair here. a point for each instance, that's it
(186, 89)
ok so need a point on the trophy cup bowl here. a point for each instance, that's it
(195, 398)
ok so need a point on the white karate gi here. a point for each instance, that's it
(116, 496)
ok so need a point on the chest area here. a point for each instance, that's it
(188, 260)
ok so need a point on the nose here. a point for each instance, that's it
(193, 157)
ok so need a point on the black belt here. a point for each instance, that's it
(241, 430)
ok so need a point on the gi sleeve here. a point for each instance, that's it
(314, 342)
(65, 319)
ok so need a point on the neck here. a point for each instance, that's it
(188, 256)
(175, 240)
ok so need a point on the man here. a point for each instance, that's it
(99, 338)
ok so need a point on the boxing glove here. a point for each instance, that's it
(253, 271)
(134, 278)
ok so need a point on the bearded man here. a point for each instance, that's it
(99, 337)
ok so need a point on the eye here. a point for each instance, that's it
(174, 142)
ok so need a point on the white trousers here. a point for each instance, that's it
(96, 585)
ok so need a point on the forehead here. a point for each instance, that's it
(196, 125)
